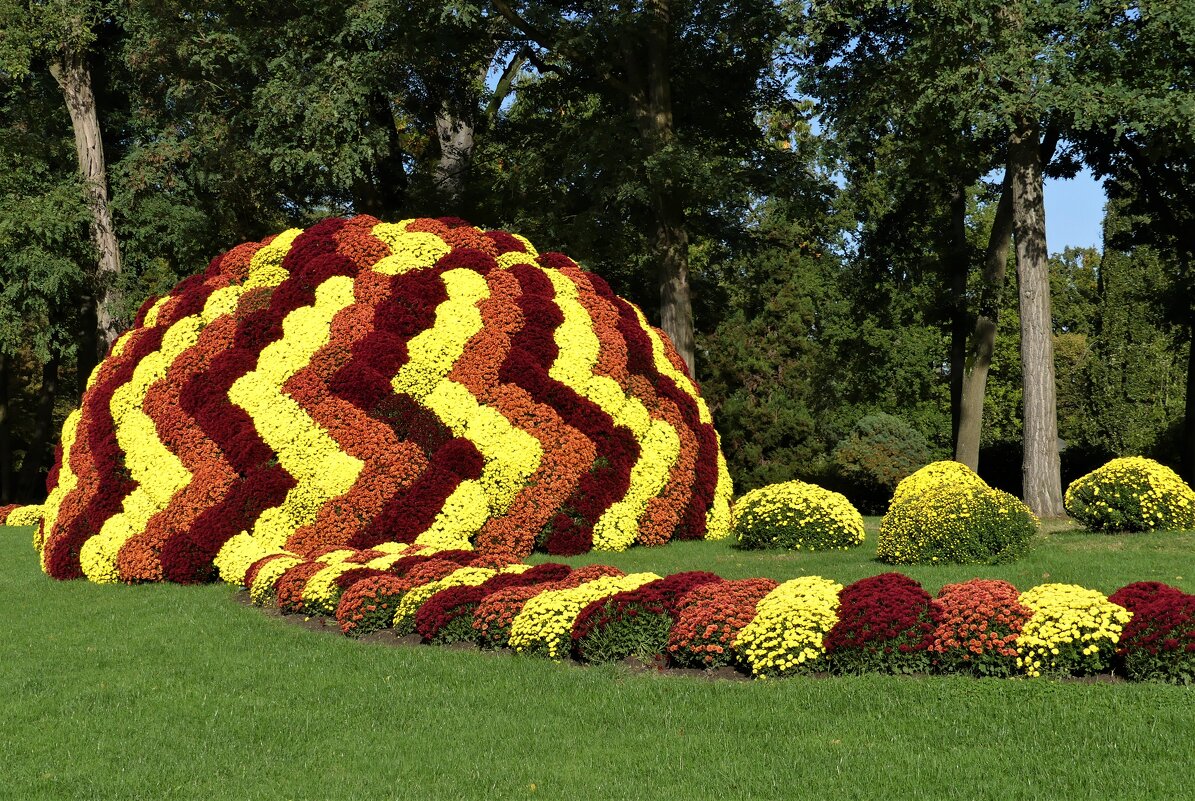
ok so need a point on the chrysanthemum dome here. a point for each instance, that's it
(363, 382)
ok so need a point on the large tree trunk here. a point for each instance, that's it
(31, 480)
(74, 78)
(1188, 442)
(5, 435)
(1041, 468)
(455, 134)
(958, 267)
(647, 60)
(982, 341)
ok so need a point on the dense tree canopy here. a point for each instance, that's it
(833, 207)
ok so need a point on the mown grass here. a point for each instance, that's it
(1061, 553)
(179, 692)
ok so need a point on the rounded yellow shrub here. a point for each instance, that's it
(946, 513)
(1131, 494)
(797, 516)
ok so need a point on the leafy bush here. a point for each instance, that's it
(879, 452)
(787, 634)
(1158, 643)
(796, 515)
(1131, 494)
(978, 625)
(369, 605)
(946, 513)
(497, 612)
(1073, 631)
(447, 616)
(885, 625)
(633, 623)
(710, 619)
(544, 625)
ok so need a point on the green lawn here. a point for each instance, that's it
(179, 692)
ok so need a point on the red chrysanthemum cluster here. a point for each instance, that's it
(1158, 643)
(978, 624)
(885, 624)
(711, 617)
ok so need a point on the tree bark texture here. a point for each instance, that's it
(958, 267)
(1187, 456)
(650, 90)
(455, 135)
(74, 78)
(982, 342)
(5, 435)
(1041, 468)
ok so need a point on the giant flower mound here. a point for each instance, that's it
(360, 383)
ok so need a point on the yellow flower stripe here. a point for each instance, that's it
(412, 599)
(511, 455)
(578, 352)
(157, 472)
(546, 621)
(265, 266)
(67, 481)
(413, 250)
(262, 589)
(305, 450)
(238, 554)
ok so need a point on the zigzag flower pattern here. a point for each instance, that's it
(372, 387)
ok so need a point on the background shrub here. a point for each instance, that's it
(796, 515)
(885, 624)
(946, 513)
(1131, 494)
(878, 453)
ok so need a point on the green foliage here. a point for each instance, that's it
(642, 634)
(879, 452)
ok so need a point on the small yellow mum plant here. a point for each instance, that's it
(1131, 494)
(1073, 631)
(946, 513)
(797, 516)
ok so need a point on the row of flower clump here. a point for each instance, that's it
(886, 623)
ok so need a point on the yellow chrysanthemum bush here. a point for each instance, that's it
(946, 513)
(787, 635)
(1131, 494)
(797, 516)
(1073, 631)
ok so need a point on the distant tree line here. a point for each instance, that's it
(833, 208)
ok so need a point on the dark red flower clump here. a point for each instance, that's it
(885, 624)
(1158, 643)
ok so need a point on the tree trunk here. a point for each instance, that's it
(88, 354)
(5, 435)
(1188, 442)
(74, 78)
(455, 134)
(1041, 468)
(982, 342)
(31, 480)
(958, 267)
(650, 96)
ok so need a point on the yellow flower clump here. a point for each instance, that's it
(946, 513)
(1073, 630)
(24, 516)
(1131, 494)
(412, 599)
(546, 621)
(796, 515)
(788, 632)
